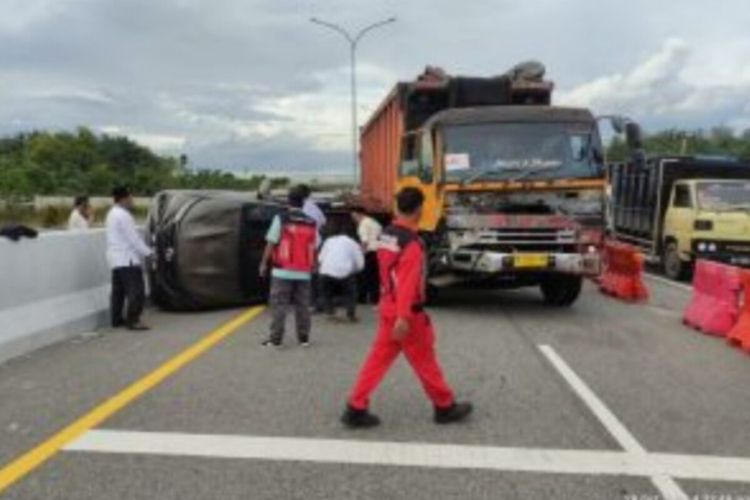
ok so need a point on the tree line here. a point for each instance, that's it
(719, 141)
(82, 162)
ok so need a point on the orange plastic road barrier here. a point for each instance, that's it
(623, 273)
(714, 306)
(739, 335)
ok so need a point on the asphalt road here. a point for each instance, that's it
(604, 400)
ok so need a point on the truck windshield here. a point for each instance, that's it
(724, 195)
(506, 151)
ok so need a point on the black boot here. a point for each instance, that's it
(359, 419)
(454, 413)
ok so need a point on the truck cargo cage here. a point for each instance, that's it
(435, 90)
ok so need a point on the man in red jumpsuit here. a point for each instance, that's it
(403, 325)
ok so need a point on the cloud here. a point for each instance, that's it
(661, 90)
(82, 96)
(252, 83)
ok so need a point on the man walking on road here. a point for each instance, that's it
(290, 248)
(403, 324)
(126, 252)
(341, 260)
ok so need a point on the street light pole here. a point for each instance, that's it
(353, 41)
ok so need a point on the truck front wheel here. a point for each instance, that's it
(674, 268)
(561, 290)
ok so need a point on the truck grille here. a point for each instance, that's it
(510, 239)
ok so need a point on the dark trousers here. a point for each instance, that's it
(346, 288)
(127, 287)
(287, 294)
(369, 280)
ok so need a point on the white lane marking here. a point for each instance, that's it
(362, 452)
(668, 282)
(659, 466)
(663, 482)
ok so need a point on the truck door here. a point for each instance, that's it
(678, 222)
(418, 170)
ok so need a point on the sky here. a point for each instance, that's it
(254, 86)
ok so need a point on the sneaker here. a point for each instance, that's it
(352, 319)
(359, 419)
(457, 412)
(305, 343)
(270, 343)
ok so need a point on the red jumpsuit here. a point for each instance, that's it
(402, 295)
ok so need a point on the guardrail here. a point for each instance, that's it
(52, 288)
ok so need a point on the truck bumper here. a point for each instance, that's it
(588, 264)
(735, 253)
(725, 258)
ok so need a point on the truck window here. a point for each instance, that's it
(579, 146)
(682, 198)
(426, 158)
(410, 157)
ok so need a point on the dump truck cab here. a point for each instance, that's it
(504, 180)
(710, 219)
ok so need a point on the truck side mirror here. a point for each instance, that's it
(633, 136)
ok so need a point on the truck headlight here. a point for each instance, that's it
(712, 247)
(703, 225)
(701, 247)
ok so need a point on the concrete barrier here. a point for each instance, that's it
(51, 288)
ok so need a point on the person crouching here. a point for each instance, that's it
(341, 260)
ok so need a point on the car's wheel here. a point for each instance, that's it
(674, 268)
(561, 290)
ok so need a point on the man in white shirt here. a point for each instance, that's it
(310, 208)
(368, 231)
(126, 252)
(81, 216)
(341, 259)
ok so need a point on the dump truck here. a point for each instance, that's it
(514, 186)
(681, 208)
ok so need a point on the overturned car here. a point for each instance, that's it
(207, 248)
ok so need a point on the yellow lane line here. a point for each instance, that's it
(31, 460)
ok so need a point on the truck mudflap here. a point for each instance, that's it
(479, 261)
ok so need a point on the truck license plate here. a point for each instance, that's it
(530, 260)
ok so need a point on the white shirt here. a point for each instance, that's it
(76, 221)
(341, 257)
(369, 231)
(312, 210)
(125, 247)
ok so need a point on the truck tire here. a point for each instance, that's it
(561, 290)
(433, 295)
(674, 268)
